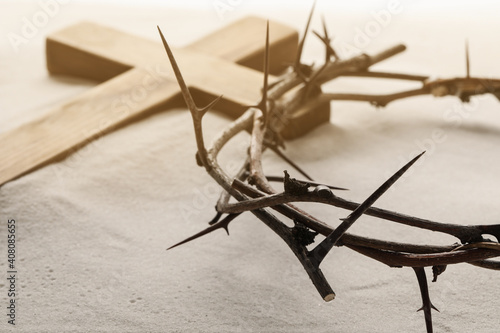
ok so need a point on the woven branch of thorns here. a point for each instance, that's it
(253, 192)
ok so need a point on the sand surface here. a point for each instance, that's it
(92, 229)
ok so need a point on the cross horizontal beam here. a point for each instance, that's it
(138, 80)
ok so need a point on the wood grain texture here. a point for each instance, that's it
(139, 81)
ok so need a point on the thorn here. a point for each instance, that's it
(467, 60)
(310, 81)
(432, 306)
(182, 84)
(302, 41)
(426, 301)
(330, 51)
(196, 113)
(325, 30)
(262, 105)
(327, 45)
(322, 249)
(220, 224)
(381, 190)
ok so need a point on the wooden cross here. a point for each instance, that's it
(138, 80)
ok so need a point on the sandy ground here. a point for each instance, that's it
(92, 230)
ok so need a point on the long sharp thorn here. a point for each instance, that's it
(266, 63)
(182, 84)
(327, 39)
(263, 102)
(467, 60)
(323, 39)
(330, 49)
(325, 30)
(220, 224)
(426, 300)
(302, 41)
(381, 190)
(322, 249)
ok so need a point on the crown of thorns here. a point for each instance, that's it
(252, 190)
